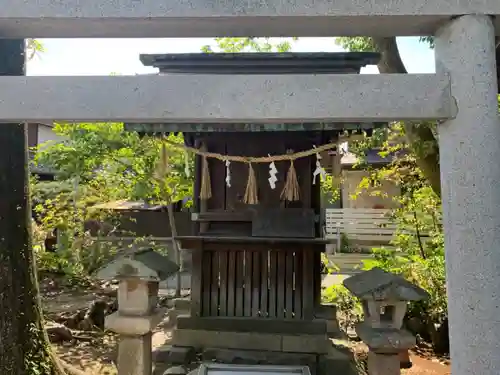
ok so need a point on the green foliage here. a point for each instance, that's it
(349, 309)
(419, 239)
(38, 361)
(356, 44)
(330, 187)
(419, 254)
(33, 48)
(235, 45)
(418, 245)
(113, 163)
(98, 163)
(365, 43)
(428, 39)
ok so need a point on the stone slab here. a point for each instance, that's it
(176, 370)
(326, 311)
(174, 355)
(385, 340)
(134, 325)
(201, 339)
(258, 357)
(182, 304)
(333, 329)
(306, 344)
(278, 326)
(201, 18)
(185, 98)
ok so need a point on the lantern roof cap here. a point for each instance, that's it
(143, 263)
(370, 284)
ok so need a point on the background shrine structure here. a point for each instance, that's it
(461, 96)
(256, 267)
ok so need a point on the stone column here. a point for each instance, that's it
(135, 320)
(470, 180)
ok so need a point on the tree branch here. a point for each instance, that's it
(419, 136)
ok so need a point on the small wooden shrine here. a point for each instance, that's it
(257, 239)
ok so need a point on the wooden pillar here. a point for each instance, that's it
(317, 276)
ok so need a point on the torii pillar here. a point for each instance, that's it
(470, 180)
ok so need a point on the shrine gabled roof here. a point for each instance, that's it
(262, 63)
(256, 63)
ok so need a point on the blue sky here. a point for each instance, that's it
(105, 56)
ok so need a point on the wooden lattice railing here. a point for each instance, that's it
(274, 284)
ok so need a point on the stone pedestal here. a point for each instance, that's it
(134, 355)
(383, 364)
(134, 348)
(139, 272)
(385, 347)
(384, 297)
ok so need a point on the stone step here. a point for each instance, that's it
(259, 357)
(336, 360)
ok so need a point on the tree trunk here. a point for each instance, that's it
(23, 345)
(22, 341)
(419, 135)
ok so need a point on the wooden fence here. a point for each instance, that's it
(366, 225)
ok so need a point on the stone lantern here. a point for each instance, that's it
(139, 273)
(384, 297)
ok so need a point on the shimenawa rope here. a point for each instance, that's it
(291, 189)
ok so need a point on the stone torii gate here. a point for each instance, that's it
(462, 95)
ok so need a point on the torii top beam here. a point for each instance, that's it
(209, 18)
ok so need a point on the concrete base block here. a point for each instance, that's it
(306, 344)
(182, 304)
(174, 355)
(385, 340)
(243, 325)
(328, 313)
(383, 364)
(337, 362)
(333, 330)
(200, 339)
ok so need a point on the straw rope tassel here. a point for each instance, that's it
(251, 190)
(291, 190)
(206, 188)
